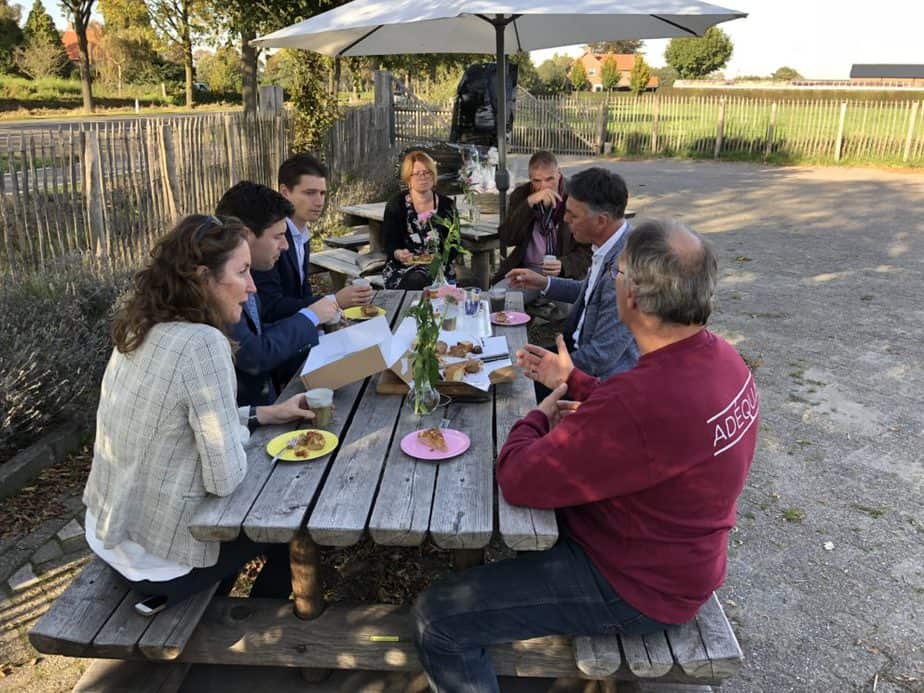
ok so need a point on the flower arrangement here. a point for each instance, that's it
(425, 398)
(452, 242)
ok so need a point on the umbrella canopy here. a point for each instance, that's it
(374, 27)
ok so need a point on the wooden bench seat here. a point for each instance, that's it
(356, 238)
(95, 617)
(343, 265)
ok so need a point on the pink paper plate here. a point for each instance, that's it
(514, 318)
(456, 442)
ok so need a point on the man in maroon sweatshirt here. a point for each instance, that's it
(643, 468)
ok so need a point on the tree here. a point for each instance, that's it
(128, 46)
(554, 73)
(623, 46)
(315, 107)
(527, 76)
(640, 75)
(610, 74)
(179, 23)
(697, 57)
(666, 75)
(11, 36)
(221, 69)
(44, 52)
(786, 74)
(79, 11)
(578, 76)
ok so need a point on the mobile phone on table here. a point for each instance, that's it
(151, 606)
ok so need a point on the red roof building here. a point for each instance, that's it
(593, 66)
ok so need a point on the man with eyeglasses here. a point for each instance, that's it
(537, 228)
(600, 344)
(643, 470)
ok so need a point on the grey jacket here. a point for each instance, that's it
(606, 346)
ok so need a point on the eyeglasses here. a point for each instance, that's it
(422, 174)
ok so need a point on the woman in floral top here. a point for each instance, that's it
(411, 235)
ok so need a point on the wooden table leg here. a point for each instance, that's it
(304, 558)
(481, 268)
(467, 558)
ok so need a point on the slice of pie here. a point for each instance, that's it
(433, 439)
(308, 442)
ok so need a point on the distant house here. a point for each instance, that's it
(888, 75)
(71, 45)
(593, 66)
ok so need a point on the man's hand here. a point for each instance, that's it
(326, 309)
(351, 295)
(525, 279)
(293, 409)
(545, 366)
(551, 268)
(549, 406)
(403, 256)
(548, 198)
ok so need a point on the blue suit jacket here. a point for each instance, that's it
(282, 345)
(281, 290)
(606, 346)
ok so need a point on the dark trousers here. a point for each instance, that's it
(554, 592)
(275, 580)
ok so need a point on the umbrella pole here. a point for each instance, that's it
(501, 177)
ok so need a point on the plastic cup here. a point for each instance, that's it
(472, 302)
(361, 281)
(321, 401)
(498, 298)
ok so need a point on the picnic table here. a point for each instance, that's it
(366, 487)
(480, 239)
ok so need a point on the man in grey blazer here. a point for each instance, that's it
(599, 343)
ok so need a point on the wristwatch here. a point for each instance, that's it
(252, 422)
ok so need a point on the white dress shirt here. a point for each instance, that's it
(595, 267)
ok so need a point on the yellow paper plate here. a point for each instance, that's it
(356, 313)
(279, 442)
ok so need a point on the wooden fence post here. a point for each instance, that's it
(910, 136)
(385, 104)
(771, 130)
(655, 117)
(93, 194)
(168, 171)
(603, 118)
(719, 130)
(234, 174)
(839, 143)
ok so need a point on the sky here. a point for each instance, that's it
(819, 38)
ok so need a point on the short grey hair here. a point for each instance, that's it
(676, 287)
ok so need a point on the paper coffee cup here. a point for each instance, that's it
(320, 401)
(361, 281)
(549, 258)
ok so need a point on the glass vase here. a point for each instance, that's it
(424, 398)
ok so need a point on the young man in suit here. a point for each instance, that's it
(264, 347)
(600, 343)
(284, 288)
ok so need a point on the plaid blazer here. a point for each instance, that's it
(168, 433)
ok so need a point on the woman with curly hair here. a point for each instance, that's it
(168, 429)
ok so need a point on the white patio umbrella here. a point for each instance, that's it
(389, 27)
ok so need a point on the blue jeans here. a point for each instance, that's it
(554, 592)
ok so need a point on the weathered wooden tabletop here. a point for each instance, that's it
(369, 485)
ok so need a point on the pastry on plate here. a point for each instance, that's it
(461, 350)
(370, 311)
(308, 442)
(455, 372)
(472, 366)
(433, 439)
(500, 316)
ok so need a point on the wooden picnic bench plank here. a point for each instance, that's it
(171, 629)
(343, 506)
(357, 237)
(597, 656)
(73, 621)
(462, 516)
(119, 636)
(522, 529)
(719, 639)
(648, 656)
(109, 676)
(279, 510)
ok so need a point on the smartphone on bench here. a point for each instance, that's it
(151, 606)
